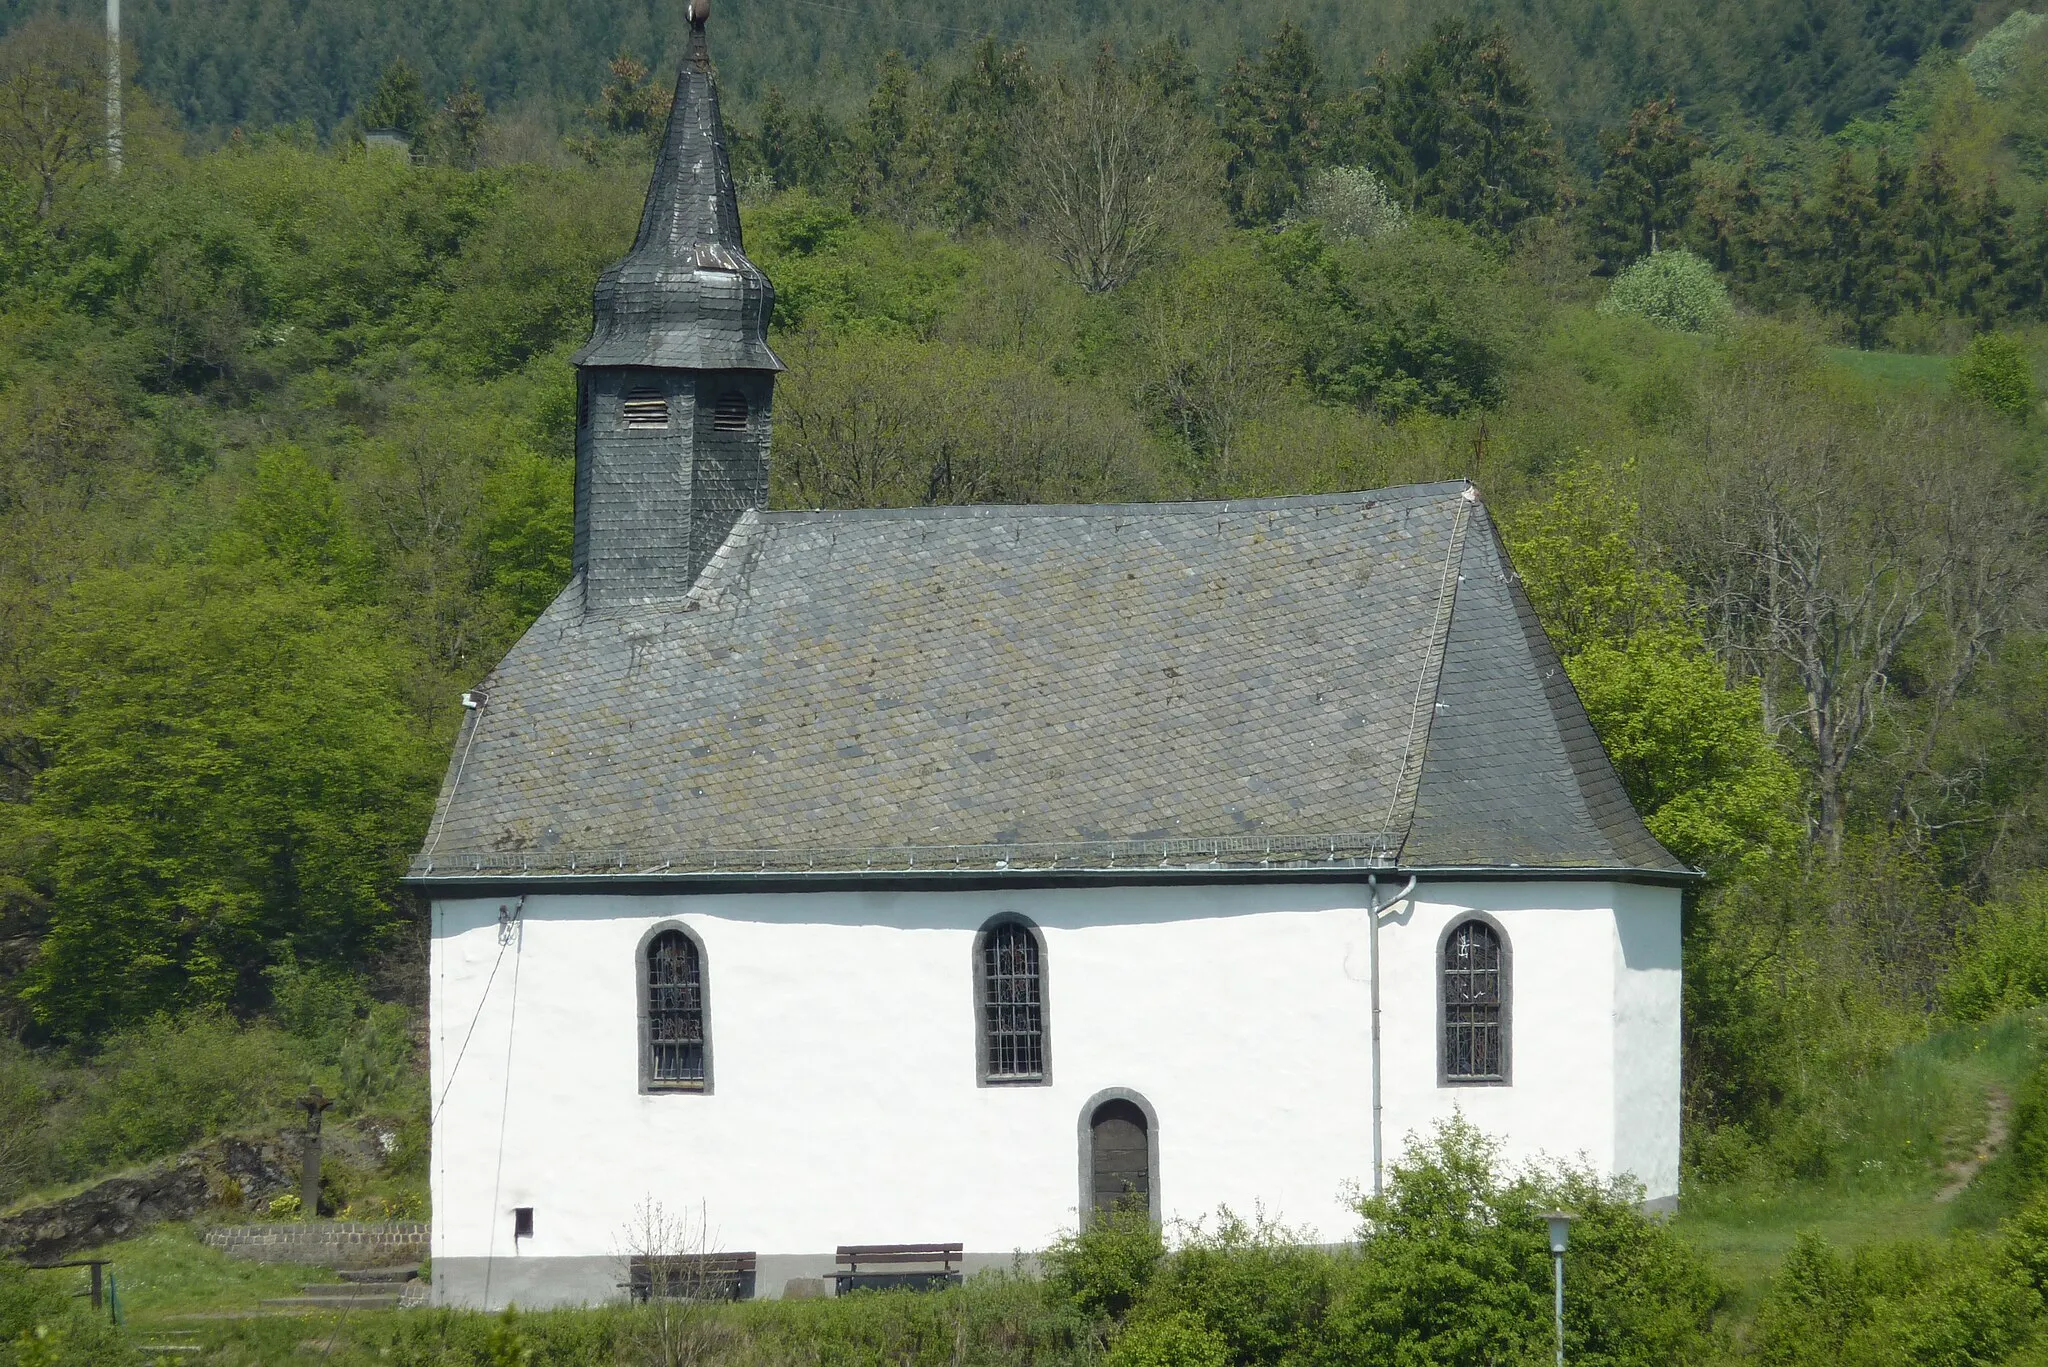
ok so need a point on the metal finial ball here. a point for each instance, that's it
(700, 10)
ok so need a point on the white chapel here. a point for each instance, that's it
(893, 889)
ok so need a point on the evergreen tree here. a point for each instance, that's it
(1647, 184)
(1166, 67)
(400, 101)
(459, 129)
(981, 106)
(1472, 145)
(1933, 217)
(800, 150)
(1273, 118)
(631, 111)
(2030, 269)
(891, 148)
(1852, 252)
(1731, 224)
(1984, 289)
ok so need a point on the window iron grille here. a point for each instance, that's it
(1473, 999)
(730, 412)
(675, 1012)
(1012, 1004)
(645, 408)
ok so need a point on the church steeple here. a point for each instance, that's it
(676, 382)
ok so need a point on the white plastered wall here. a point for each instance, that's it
(845, 1106)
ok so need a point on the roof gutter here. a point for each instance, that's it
(460, 883)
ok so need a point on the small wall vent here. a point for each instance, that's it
(730, 413)
(645, 408)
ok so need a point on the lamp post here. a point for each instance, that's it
(114, 87)
(1560, 1233)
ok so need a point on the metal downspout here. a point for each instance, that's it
(1374, 912)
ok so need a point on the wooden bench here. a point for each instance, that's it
(691, 1277)
(853, 1257)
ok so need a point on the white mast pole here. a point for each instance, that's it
(114, 87)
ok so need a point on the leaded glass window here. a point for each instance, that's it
(675, 1012)
(1475, 998)
(1012, 1004)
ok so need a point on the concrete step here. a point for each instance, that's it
(348, 1290)
(405, 1273)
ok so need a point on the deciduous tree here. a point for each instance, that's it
(1108, 167)
(1689, 745)
(52, 103)
(1826, 543)
(229, 778)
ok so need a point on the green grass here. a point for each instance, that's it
(169, 1272)
(1889, 1144)
(1894, 367)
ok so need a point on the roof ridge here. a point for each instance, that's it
(727, 567)
(1417, 493)
(1606, 797)
(1430, 676)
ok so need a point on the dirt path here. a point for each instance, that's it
(1997, 1127)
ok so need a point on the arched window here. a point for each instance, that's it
(1475, 1004)
(675, 1053)
(1010, 985)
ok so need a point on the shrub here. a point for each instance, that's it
(24, 1133)
(1417, 321)
(1952, 1304)
(1997, 373)
(1176, 1339)
(2002, 963)
(1456, 1268)
(1673, 289)
(173, 1081)
(1350, 201)
(1105, 1267)
(2026, 1243)
(41, 1327)
(1257, 1287)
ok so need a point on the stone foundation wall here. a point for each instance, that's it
(329, 1243)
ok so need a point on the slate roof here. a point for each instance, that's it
(686, 295)
(1349, 680)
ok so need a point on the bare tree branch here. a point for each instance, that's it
(1106, 166)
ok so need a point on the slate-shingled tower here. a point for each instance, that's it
(675, 385)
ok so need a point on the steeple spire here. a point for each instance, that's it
(675, 387)
(686, 295)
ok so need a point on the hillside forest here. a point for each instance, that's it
(1739, 330)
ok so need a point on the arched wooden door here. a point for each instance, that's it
(1120, 1154)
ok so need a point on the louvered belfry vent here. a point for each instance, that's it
(645, 408)
(678, 372)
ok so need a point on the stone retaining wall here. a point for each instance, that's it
(328, 1243)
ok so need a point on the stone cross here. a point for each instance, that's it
(315, 1103)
